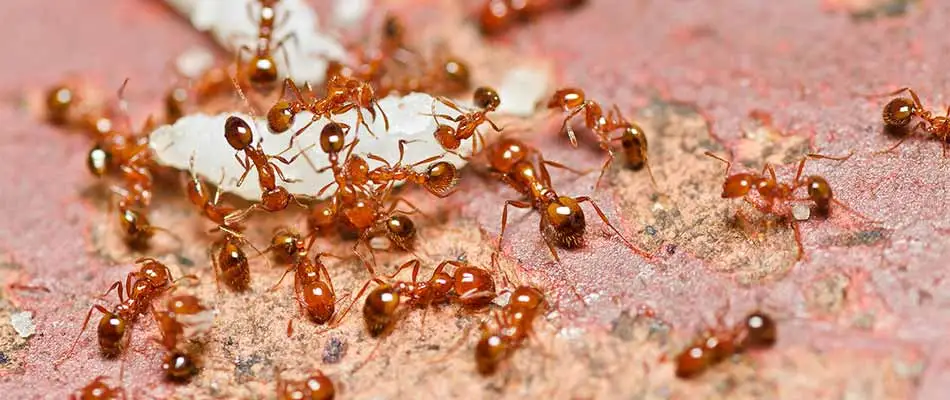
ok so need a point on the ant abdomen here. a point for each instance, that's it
(380, 309)
(567, 223)
(281, 116)
(235, 271)
(759, 331)
(898, 112)
(441, 177)
(819, 191)
(692, 361)
(634, 142)
(490, 351)
(110, 332)
(401, 231)
(238, 133)
(319, 301)
(179, 366)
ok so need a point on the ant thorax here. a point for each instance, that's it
(202, 135)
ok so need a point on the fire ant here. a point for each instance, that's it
(184, 318)
(562, 220)
(757, 332)
(286, 245)
(470, 286)
(98, 389)
(316, 387)
(315, 295)
(273, 197)
(898, 113)
(342, 94)
(776, 194)
(263, 70)
(450, 138)
(512, 326)
(633, 139)
(497, 16)
(439, 179)
(151, 280)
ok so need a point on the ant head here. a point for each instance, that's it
(332, 138)
(566, 217)
(361, 213)
(486, 98)
(319, 386)
(393, 28)
(898, 112)
(567, 98)
(445, 135)
(263, 71)
(136, 226)
(280, 117)
(155, 273)
(357, 168)
(490, 351)
(442, 177)
(526, 298)
(287, 245)
(179, 366)
(400, 228)
(457, 74)
(276, 199)
(319, 301)
(739, 185)
(185, 304)
(98, 161)
(238, 133)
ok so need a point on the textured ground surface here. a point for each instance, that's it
(863, 315)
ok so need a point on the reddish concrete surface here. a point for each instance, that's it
(863, 315)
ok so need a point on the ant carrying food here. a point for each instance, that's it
(632, 138)
(756, 332)
(775, 195)
(141, 287)
(512, 326)
(898, 113)
(450, 138)
(562, 219)
(342, 94)
(273, 197)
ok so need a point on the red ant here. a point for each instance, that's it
(263, 69)
(314, 293)
(342, 94)
(286, 245)
(633, 139)
(450, 138)
(512, 326)
(316, 387)
(151, 280)
(497, 16)
(184, 318)
(470, 286)
(898, 113)
(439, 179)
(273, 198)
(562, 220)
(776, 194)
(98, 389)
(758, 331)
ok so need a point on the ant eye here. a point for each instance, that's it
(898, 112)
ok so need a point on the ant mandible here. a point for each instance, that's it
(775, 194)
(450, 138)
(632, 138)
(562, 219)
(273, 197)
(898, 113)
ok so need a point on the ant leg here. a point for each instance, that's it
(280, 174)
(415, 265)
(603, 217)
(450, 104)
(547, 241)
(415, 210)
(299, 132)
(280, 46)
(85, 323)
(827, 157)
(385, 117)
(603, 170)
(504, 217)
(728, 163)
(246, 164)
(798, 241)
(276, 285)
(566, 168)
(346, 311)
(119, 285)
(566, 127)
(238, 216)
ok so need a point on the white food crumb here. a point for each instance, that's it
(202, 135)
(23, 323)
(349, 12)
(801, 212)
(193, 62)
(522, 89)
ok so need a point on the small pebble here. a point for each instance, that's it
(801, 212)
